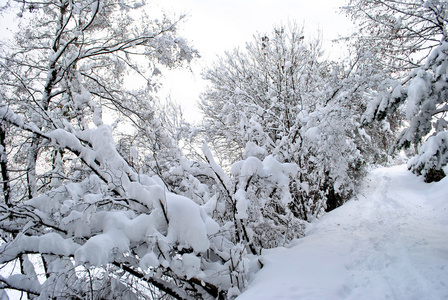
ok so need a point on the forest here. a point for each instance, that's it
(109, 193)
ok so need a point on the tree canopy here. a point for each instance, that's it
(280, 94)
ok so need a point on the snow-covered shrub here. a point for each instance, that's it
(252, 206)
(262, 198)
(332, 163)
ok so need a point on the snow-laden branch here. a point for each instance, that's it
(164, 286)
(50, 243)
(221, 175)
(22, 283)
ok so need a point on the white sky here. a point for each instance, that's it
(214, 26)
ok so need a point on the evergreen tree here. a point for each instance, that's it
(413, 31)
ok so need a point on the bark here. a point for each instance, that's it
(4, 168)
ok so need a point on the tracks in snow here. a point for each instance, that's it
(391, 243)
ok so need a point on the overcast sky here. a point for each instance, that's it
(214, 26)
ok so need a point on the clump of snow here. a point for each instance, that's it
(398, 23)
(24, 282)
(433, 154)
(418, 89)
(100, 249)
(97, 116)
(241, 204)
(141, 194)
(133, 153)
(150, 260)
(119, 230)
(238, 91)
(280, 173)
(51, 243)
(250, 166)
(275, 172)
(313, 133)
(397, 91)
(186, 225)
(191, 265)
(253, 150)
(6, 113)
(438, 54)
(215, 167)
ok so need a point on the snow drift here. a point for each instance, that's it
(389, 242)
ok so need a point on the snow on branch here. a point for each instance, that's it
(161, 221)
(433, 155)
(222, 176)
(22, 283)
(384, 104)
(50, 243)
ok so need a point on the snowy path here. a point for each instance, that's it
(392, 243)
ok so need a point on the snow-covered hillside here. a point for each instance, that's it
(391, 242)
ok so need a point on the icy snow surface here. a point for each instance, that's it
(391, 242)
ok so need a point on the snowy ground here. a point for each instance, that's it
(389, 243)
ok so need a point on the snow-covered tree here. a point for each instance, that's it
(80, 217)
(68, 61)
(397, 34)
(415, 35)
(98, 211)
(280, 94)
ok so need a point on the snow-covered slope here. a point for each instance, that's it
(391, 242)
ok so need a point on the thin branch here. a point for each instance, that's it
(164, 286)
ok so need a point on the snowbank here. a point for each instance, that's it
(390, 242)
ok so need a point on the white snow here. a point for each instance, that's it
(253, 150)
(432, 154)
(251, 166)
(48, 243)
(186, 225)
(313, 133)
(149, 260)
(241, 204)
(216, 168)
(22, 281)
(133, 153)
(390, 242)
(418, 90)
(99, 249)
(191, 265)
(397, 92)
